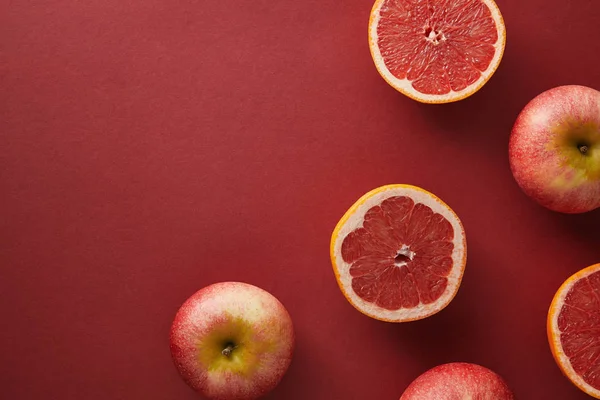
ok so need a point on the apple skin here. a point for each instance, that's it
(545, 149)
(458, 381)
(229, 314)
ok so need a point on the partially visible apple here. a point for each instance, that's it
(232, 341)
(554, 149)
(458, 381)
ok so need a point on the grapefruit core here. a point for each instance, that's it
(436, 51)
(399, 253)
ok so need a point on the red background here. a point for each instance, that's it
(150, 148)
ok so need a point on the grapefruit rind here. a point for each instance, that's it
(353, 219)
(561, 359)
(404, 86)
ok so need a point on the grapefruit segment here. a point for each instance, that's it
(436, 52)
(399, 253)
(574, 329)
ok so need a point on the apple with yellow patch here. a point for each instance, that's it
(232, 341)
(554, 149)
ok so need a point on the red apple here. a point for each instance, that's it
(232, 341)
(458, 381)
(555, 149)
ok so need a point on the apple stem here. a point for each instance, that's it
(228, 350)
(583, 149)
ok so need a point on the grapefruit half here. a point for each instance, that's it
(574, 329)
(436, 51)
(399, 253)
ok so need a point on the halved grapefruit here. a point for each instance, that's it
(436, 51)
(399, 253)
(574, 329)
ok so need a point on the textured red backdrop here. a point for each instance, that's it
(150, 148)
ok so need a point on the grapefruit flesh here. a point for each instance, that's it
(399, 253)
(401, 256)
(574, 329)
(436, 51)
(579, 323)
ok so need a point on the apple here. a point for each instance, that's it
(554, 149)
(458, 381)
(232, 341)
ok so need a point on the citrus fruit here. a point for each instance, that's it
(436, 51)
(574, 329)
(399, 253)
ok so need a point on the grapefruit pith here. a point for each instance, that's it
(399, 253)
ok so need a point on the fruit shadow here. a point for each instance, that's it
(485, 119)
(442, 338)
(487, 115)
(585, 227)
(289, 386)
(459, 332)
(306, 374)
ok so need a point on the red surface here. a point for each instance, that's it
(150, 148)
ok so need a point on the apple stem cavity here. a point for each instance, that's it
(228, 350)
